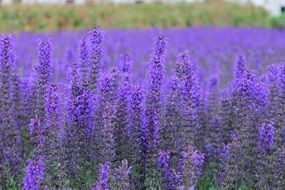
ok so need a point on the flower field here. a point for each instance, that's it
(143, 109)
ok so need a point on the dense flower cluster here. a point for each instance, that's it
(34, 174)
(85, 118)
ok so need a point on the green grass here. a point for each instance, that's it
(67, 17)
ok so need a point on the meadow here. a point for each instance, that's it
(182, 108)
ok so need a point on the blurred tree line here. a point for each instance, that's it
(66, 17)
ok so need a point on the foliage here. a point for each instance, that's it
(67, 17)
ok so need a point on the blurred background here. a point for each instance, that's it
(55, 15)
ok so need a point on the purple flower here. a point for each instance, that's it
(191, 101)
(52, 107)
(96, 38)
(226, 119)
(153, 99)
(34, 174)
(122, 176)
(169, 178)
(108, 86)
(16, 98)
(126, 64)
(240, 67)
(139, 131)
(102, 182)
(122, 122)
(266, 136)
(53, 144)
(136, 119)
(213, 97)
(105, 116)
(38, 140)
(198, 161)
(107, 146)
(273, 74)
(83, 61)
(184, 66)
(76, 131)
(171, 131)
(278, 168)
(245, 86)
(43, 75)
(245, 107)
(280, 121)
(213, 140)
(8, 130)
(230, 165)
(190, 166)
(224, 152)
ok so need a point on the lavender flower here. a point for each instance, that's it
(198, 161)
(226, 119)
(184, 66)
(191, 101)
(76, 137)
(281, 111)
(273, 73)
(107, 148)
(38, 139)
(153, 99)
(245, 119)
(213, 97)
(263, 163)
(8, 131)
(190, 166)
(102, 182)
(54, 151)
(16, 99)
(213, 141)
(266, 136)
(278, 168)
(34, 174)
(230, 173)
(169, 178)
(139, 131)
(126, 64)
(52, 108)
(122, 176)
(43, 74)
(2, 161)
(243, 97)
(83, 61)
(96, 38)
(105, 118)
(171, 131)
(122, 123)
(240, 67)
(225, 152)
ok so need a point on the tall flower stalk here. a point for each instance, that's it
(54, 142)
(95, 57)
(11, 141)
(75, 134)
(42, 78)
(191, 101)
(122, 178)
(34, 174)
(103, 181)
(153, 99)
